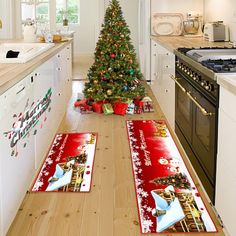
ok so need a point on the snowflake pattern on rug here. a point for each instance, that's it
(156, 161)
(146, 222)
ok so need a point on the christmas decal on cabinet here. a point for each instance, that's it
(25, 123)
(168, 200)
(68, 165)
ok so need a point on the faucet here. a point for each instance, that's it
(0, 24)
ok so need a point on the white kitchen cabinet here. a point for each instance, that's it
(30, 113)
(55, 74)
(69, 72)
(16, 148)
(162, 67)
(46, 128)
(226, 161)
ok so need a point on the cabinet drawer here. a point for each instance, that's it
(227, 102)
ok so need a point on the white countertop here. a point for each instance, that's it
(228, 81)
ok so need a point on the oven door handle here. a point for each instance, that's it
(175, 79)
(202, 109)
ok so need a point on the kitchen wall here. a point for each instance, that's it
(91, 19)
(87, 31)
(7, 18)
(217, 10)
(177, 6)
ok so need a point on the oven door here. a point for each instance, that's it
(183, 107)
(204, 133)
(196, 125)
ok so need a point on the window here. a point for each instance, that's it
(45, 13)
(67, 9)
(35, 10)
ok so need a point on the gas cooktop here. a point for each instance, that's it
(219, 60)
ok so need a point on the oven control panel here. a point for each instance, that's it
(196, 77)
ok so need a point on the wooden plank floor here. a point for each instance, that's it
(110, 208)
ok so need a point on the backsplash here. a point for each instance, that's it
(177, 6)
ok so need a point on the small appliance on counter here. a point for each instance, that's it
(193, 25)
(29, 32)
(216, 31)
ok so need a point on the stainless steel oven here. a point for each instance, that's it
(196, 118)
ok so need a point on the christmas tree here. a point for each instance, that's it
(178, 181)
(115, 73)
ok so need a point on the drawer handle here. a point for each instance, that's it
(20, 90)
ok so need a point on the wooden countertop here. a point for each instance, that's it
(12, 73)
(173, 42)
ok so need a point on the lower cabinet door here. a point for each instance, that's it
(43, 89)
(16, 149)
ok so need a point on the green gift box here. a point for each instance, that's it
(107, 109)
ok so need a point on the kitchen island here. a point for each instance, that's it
(33, 101)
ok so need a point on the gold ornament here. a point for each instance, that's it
(109, 92)
(95, 81)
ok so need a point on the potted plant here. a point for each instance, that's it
(64, 15)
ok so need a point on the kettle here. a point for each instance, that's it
(29, 33)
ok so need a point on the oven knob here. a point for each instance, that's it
(203, 83)
(210, 87)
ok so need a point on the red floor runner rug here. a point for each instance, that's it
(167, 198)
(68, 165)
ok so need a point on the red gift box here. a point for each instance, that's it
(97, 107)
(120, 108)
(138, 106)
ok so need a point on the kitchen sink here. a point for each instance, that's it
(27, 51)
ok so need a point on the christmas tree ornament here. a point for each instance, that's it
(95, 81)
(109, 92)
(125, 88)
(131, 72)
(113, 55)
(136, 81)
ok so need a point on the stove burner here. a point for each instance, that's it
(221, 66)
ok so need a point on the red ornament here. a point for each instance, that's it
(113, 55)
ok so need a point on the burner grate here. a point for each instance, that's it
(221, 66)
